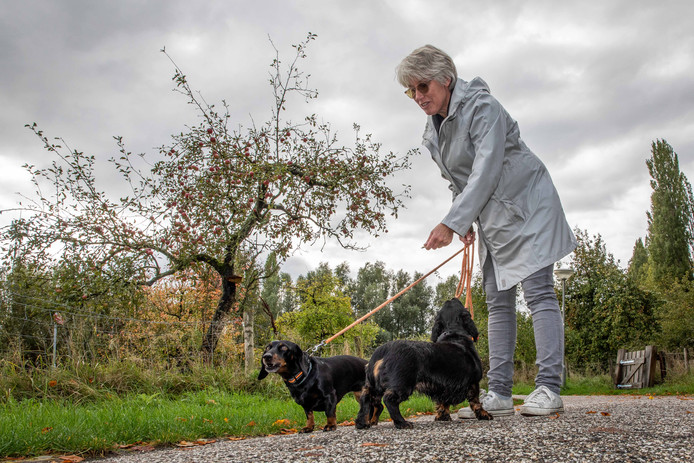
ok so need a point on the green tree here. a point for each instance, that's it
(676, 316)
(216, 195)
(638, 265)
(370, 289)
(270, 295)
(287, 300)
(670, 239)
(411, 315)
(605, 310)
(323, 312)
(446, 290)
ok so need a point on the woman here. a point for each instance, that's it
(499, 184)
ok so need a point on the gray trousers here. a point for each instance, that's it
(538, 290)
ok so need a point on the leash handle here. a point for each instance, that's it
(330, 339)
(466, 278)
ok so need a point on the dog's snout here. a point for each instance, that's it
(267, 356)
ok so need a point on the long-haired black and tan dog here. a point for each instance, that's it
(317, 384)
(447, 370)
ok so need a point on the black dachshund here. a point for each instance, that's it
(317, 384)
(447, 370)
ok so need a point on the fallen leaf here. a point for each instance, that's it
(346, 423)
(71, 459)
(604, 414)
(52, 383)
(288, 431)
(237, 438)
(591, 412)
(127, 446)
(47, 429)
(373, 444)
(281, 422)
(252, 423)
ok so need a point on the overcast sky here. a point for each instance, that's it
(590, 83)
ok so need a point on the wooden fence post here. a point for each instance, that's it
(686, 360)
(618, 366)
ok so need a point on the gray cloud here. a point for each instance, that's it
(591, 85)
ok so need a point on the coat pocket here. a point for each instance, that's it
(501, 221)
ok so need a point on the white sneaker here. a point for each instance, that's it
(496, 405)
(542, 402)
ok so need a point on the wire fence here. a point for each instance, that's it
(47, 332)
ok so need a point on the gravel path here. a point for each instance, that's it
(593, 429)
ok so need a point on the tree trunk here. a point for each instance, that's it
(248, 339)
(226, 302)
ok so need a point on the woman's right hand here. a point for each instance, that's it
(469, 237)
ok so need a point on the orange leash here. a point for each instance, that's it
(466, 278)
(322, 343)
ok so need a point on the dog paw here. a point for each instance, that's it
(404, 425)
(362, 425)
(306, 430)
(446, 417)
(330, 428)
(484, 416)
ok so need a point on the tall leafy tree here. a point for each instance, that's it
(269, 299)
(638, 265)
(216, 195)
(605, 310)
(287, 300)
(676, 316)
(670, 239)
(446, 290)
(411, 314)
(370, 289)
(324, 311)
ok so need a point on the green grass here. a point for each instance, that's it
(92, 411)
(34, 427)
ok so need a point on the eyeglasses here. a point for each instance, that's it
(422, 87)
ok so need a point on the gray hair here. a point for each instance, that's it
(424, 64)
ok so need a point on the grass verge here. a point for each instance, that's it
(35, 427)
(95, 411)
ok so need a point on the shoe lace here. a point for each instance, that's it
(535, 396)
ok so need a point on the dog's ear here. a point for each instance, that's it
(437, 329)
(263, 372)
(300, 357)
(469, 325)
(294, 352)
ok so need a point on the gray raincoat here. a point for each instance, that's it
(498, 183)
